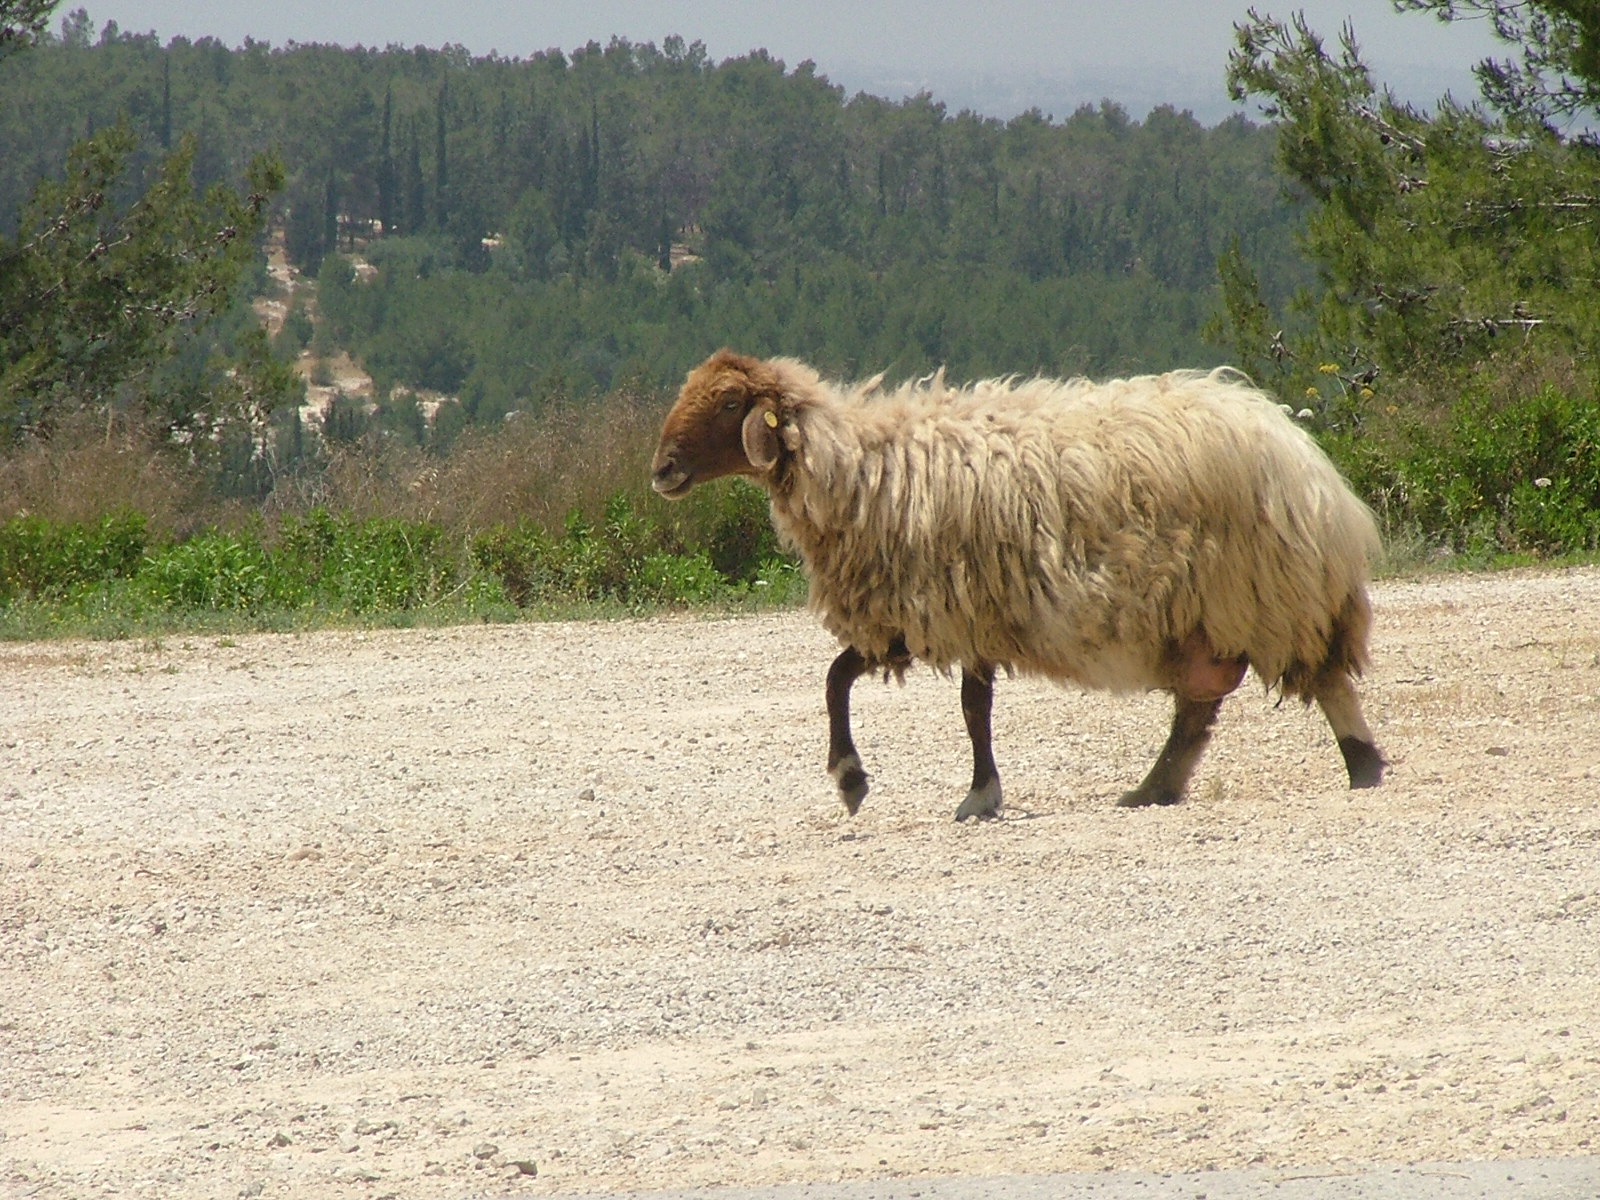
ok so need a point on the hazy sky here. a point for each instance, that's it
(1015, 54)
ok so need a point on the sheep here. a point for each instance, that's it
(1164, 532)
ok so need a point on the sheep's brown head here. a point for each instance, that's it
(725, 422)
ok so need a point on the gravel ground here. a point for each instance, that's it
(422, 913)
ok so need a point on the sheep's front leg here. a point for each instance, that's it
(977, 702)
(844, 764)
(1191, 731)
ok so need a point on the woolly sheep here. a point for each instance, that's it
(1160, 532)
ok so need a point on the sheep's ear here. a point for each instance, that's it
(760, 433)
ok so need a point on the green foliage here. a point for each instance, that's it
(581, 563)
(345, 421)
(317, 562)
(21, 23)
(296, 333)
(634, 559)
(1555, 78)
(41, 559)
(217, 571)
(678, 579)
(110, 267)
(1439, 238)
(96, 293)
(731, 525)
(1487, 474)
(1457, 259)
(519, 557)
(365, 566)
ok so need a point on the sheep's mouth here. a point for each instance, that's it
(673, 486)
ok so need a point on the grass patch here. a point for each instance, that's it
(112, 580)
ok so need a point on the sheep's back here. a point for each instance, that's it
(1078, 530)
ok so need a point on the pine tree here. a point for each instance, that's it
(22, 22)
(1438, 237)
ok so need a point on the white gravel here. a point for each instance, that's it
(418, 913)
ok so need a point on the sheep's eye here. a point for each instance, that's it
(730, 406)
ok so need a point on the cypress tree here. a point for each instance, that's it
(166, 102)
(441, 161)
(386, 174)
(414, 194)
(330, 216)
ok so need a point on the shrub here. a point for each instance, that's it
(732, 524)
(1489, 474)
(675, 579)
(218, 571)
(365, 566)
(519, 557)
(628, 558)
(42, 559)
(1523, 475)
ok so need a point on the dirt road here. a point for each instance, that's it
(417, 914)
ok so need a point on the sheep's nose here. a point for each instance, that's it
(668, 476)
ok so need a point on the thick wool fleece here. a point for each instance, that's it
(1074, 530)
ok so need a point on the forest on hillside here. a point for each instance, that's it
(557, 239)
(568, 223)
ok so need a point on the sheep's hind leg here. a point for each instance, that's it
(844, 764)
(1336, 695)
(1191, 731)
(977, 702)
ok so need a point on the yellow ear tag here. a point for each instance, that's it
(771, 419)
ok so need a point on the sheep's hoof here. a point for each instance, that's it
(852, 782)
(1144, 797)
(983, 803)
(1363, 761)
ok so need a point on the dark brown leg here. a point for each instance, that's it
(977, 702)
(844, 764)
(1191, 730)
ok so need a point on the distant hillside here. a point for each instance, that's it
(565, 224)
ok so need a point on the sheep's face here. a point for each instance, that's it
(724, 423)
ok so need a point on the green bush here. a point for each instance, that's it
(342, 564)
(519, 557)
(679, 579)
(218, 572)
(731, 522)
(295, 335)
(1487, 476)
(41, 559)
(365, 566)
(629, 557)
(588, 565)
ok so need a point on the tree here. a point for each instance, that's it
(1439, 237)
(21, 23)
(109, 269)
(387, 201)
(95, 293)
(1555, 80)
(631, 205)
